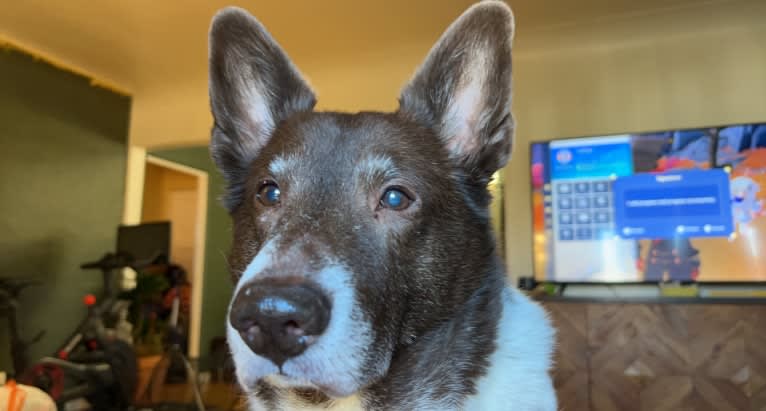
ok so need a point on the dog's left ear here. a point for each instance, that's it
(463, 89)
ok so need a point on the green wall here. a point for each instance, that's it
(217, 285)
(62, 168)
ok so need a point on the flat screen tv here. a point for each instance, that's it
(146, 242)
(669, 206)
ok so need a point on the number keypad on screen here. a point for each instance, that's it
(583, 209)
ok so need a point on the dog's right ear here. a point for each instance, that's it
(253, 87)
(463, 89)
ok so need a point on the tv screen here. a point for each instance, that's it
(678, 205)
(145, 242)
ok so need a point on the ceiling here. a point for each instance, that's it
(148, 47)
(139, 43)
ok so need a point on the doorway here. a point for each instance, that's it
(178, 193)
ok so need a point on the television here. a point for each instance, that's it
(145, 243)
(668, 206)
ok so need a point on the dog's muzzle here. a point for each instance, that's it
(279, 321)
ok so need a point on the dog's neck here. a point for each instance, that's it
(437, 371)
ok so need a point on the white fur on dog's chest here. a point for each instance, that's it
(518, 377)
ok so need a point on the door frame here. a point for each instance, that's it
(200, 224)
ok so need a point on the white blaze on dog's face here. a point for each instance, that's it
(354, 233)
(331, 364)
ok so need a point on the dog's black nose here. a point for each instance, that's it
(279, 321)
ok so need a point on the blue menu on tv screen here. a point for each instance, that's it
(685, 203)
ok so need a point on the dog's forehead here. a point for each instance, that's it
(338, 145)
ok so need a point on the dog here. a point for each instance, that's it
(365, 269)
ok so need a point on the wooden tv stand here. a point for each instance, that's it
(660, 354)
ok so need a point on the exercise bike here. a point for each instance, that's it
(93, 364)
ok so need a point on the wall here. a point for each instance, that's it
(682, 68)
(217, 285)
(179, 113)
(62, 166)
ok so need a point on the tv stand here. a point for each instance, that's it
(662, 353)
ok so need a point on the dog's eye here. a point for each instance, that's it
(268, 194)
(395, 199)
